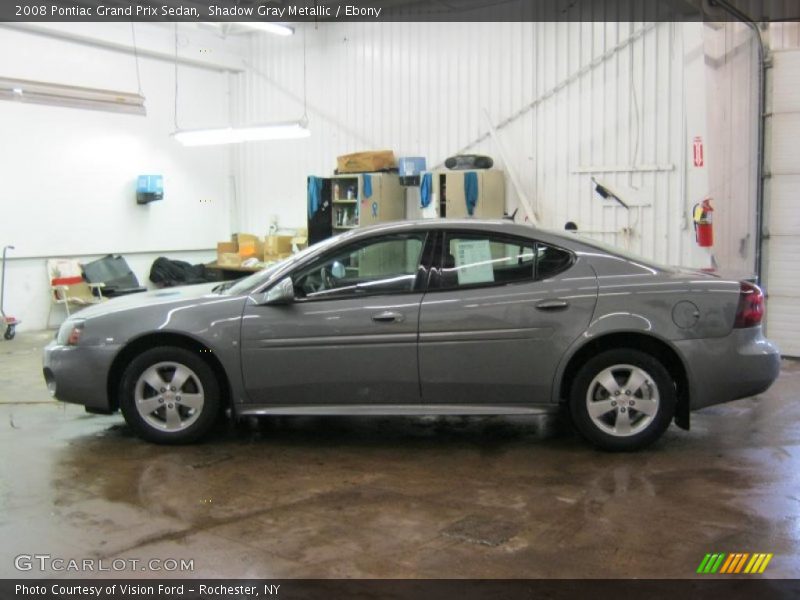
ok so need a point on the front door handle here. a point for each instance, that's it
(552, 305)
(388, 316)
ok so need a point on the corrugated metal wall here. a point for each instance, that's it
(567, 98)
(732, 145)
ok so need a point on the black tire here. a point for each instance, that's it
(597, 430)
(199, 420)
(11, 331)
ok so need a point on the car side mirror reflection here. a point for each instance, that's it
(280, 293)
(338, 271)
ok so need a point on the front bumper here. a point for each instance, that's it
(739, 365)
(79, 374)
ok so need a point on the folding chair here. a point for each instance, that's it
(68, 287)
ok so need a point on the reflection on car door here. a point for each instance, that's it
(351, 335)
(505, 311)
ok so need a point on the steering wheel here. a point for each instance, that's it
(318, 282)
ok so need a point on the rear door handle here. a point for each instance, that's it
(388, 316)
(552, 305)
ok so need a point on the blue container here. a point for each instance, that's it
(410, 168)
(149, 188)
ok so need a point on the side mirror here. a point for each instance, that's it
(280, 293)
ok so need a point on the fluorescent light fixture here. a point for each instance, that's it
(235, 135)
(274, 28)
(70, 96)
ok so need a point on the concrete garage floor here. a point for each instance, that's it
(383, 497)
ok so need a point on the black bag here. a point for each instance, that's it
(112, 271)
(169, 273)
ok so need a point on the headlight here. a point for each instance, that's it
(70, 332)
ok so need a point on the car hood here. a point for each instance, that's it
(166, 296)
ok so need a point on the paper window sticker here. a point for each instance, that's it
(473, 261)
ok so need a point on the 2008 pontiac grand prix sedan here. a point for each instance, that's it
(429, 317)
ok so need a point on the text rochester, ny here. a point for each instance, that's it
(138, 10)
(161, 590)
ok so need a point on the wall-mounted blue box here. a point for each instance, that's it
(149, 188)
(409, 168)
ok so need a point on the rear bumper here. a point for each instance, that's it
(79, 374)
(739, 365)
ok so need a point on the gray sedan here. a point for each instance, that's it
(436, 317)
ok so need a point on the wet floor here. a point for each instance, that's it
(400, 497)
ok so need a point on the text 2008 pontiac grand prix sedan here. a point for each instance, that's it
(429, 317)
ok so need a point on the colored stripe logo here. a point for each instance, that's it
(734, 563)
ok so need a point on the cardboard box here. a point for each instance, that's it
(300, 238)
(268, 258)
(301, 241)
(366, 162)
(226, 248)
(276, 245)
(229, 259)
(249, 248)
(239, 238)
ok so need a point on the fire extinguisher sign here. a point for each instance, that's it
(697, 151)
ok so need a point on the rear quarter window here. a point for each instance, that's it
(550, 261)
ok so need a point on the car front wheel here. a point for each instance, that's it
(622, 400)
(170, 395)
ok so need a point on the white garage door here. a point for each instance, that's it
(783, 201)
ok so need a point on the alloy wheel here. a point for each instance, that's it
(169, 396)
(622, 400)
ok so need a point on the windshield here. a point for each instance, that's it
(251, 282)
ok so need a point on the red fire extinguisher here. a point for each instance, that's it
(703, 227)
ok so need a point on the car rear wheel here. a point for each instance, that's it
(170, 395)
(622, 400)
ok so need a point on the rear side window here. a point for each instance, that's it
(470, 260)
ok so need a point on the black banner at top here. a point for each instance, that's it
(396, 10)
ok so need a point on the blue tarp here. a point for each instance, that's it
(314, 195)
(367, 185)
(425, 190)
(471, 191)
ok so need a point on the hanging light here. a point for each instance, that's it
(251, 133)
(70, 96)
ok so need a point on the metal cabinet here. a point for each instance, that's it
(450, 198)
(349, 201)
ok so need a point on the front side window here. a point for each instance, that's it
(375, 266)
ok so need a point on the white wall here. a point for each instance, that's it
(69, 174)
(568, 97)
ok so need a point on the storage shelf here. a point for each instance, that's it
(343, 201)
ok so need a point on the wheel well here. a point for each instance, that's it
(139, 345)
(638, 341)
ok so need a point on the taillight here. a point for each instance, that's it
(751, 305)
